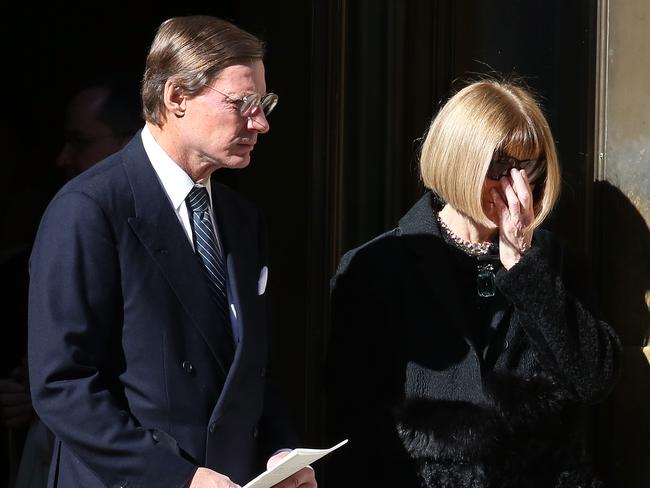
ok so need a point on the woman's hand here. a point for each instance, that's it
(515, 215)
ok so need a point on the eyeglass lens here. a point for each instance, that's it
(251, 102)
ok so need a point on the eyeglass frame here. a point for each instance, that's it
(537, 167)
(256, 101)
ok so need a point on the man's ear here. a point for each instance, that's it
(175, 99)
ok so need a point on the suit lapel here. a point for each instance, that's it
(158, 228)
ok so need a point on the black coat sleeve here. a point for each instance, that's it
(553, 304)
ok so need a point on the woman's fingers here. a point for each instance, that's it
(522, 188)
(501, 206)
(514, 205)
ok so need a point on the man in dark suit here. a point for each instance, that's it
(147, 306)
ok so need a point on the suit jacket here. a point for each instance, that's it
(125, 350)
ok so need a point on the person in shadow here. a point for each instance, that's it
(101, 117)
(463, 350)
(102, 114)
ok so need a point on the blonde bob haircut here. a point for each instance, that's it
(483, 119)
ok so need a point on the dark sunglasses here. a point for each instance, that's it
(502, 164)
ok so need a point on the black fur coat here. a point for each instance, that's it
(438, 387)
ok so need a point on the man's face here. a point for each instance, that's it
(87, 139)
(215, 133)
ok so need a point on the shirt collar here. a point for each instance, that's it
(175, 180)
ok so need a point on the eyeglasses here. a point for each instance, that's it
(501, 165)
(248, 104)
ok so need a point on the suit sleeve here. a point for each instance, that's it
(75, 310)
(553, 305)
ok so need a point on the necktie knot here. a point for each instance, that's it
(198, 199)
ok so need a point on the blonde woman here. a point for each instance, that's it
(463, 353)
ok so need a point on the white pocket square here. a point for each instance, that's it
(261, 282)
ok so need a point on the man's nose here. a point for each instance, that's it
(258, 122)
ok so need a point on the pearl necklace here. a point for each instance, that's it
(468, 247)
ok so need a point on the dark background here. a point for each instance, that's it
(358, 83)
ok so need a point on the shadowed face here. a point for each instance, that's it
(87, 139)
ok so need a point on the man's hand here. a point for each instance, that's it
(15, 401)
(305, 478)
(206, 478)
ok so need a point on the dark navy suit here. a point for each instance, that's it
(125, 349)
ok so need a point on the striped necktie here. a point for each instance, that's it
(208, 248)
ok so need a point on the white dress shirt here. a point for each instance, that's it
(175, 181)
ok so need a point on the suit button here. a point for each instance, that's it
(187, 366)
(212, 428)
(263, 372)
(256, 432)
